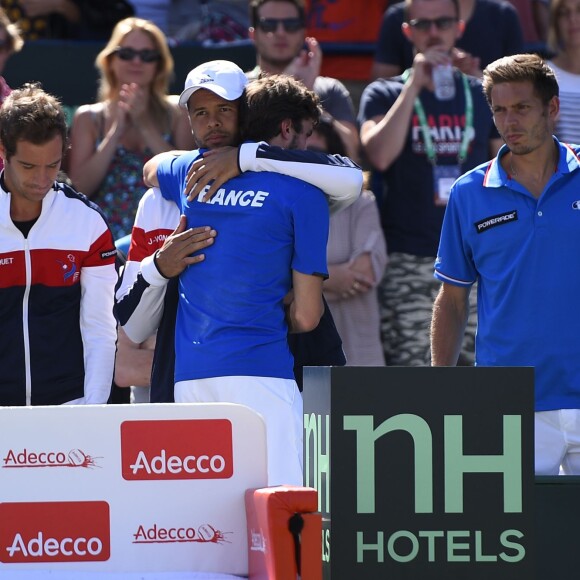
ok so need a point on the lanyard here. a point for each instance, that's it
(467, 132)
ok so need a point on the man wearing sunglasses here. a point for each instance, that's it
(278, 29)
(421, 144)
(492, 30)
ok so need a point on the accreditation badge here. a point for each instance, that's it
(444, 177)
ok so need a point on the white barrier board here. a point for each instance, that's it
(127, 488)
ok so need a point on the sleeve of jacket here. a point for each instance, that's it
(139, 300)
(97, 322)
(338, 177)
(141, 292)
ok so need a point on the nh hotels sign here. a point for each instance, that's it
(422, 473)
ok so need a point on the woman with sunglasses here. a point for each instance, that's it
(133, 120)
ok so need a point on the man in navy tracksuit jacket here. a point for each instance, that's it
(57, 272)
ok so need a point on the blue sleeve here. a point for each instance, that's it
(168, 180)
(454, 264)
(172, 174)
(311, 224)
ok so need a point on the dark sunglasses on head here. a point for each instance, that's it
(289, 24)
(145, 55)
(424, 24)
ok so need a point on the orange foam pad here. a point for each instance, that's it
(271, 548)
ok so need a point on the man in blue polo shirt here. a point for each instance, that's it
(262, 277)
(513, 225)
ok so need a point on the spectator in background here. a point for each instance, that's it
(492, 30)
(44, 18)
(564, 39)
(156, 11)
(10, 42)
(278, 30)
(209, 21)
(421, 144)
(206, 21)
(355, 25)
(357, 256)
(534, 18)
(133, 120)
(66, 19)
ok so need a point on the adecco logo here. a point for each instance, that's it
(28, 458)
(76, 531)
(163, 535)
(182, 449)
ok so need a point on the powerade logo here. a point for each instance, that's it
(156, 534)
(496, 220)
(51, 458)
(182, 449)
(54, 532)
(108, 254)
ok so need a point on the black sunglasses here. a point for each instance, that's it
(289, 24)
(145, 55)
(424, 24)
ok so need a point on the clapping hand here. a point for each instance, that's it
(133, 100)
(306, 66)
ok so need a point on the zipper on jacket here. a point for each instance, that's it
(26, 333)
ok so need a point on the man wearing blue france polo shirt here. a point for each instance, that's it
(231, 335)
(513, 224)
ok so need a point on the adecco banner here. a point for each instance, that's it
(422, 472)
(127, 488)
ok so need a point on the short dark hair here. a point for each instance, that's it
(30, 114)
(327, 130)
(255, 6)
(408, 3)
(521, 68)
(272, 99)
